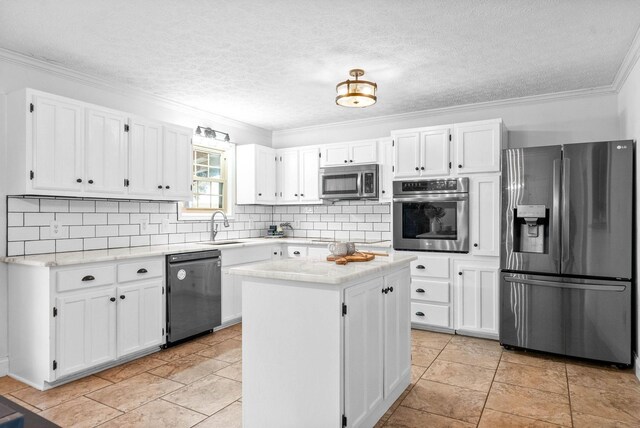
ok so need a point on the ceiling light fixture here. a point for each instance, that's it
(211, 133)
(356, 93)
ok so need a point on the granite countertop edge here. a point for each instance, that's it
(95, 256)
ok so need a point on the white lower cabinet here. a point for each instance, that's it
(476, 297)
(377, 344)
(231, 298)
(431, 291)
(73, 319)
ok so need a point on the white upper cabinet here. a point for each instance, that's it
(105, 152)
(484, 213)
(385, 149)
(438, 151)
(176, 155)
(145, 158)
(422, 153)
(255, 175)
(297, 175)
(478, 146)
(57, 144)
(65, 147)
(356, 152)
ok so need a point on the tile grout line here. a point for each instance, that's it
(484, 405)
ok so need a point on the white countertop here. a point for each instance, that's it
(79, 257)
(321, 271)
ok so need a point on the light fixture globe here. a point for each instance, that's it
(356, 93)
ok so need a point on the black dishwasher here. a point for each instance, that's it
(193, 294)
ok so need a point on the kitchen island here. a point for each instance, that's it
(324, 345)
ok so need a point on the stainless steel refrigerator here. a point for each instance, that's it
(567, 250)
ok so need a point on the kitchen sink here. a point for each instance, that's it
(221, 242)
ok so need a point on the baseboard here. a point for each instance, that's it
(4, 366)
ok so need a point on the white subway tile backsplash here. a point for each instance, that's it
(318, 225)
(349, 209)
(118, 218)
(54, 206)
(356, 218)
(365, 209)
(45, 233)
(327, 217)
(149, 207)
(373, 236)
(327, 234)
(356, 236)
(63, 245)
(15, 219)
(39, 247)
(128, 229)
(157, 218)
(382, 227)
(152, 229)
(23, 233)
(176, 238)
(333, 209)
(138, 218)
(38, 219)
(82, 206)
(129, 207)
(349, 226)
(294, 209)
(95, 243)
(82, 231)
(185, 227)
(381, 209)
(373, 218)
(69, 219)
(106, 230)
(192, 237)
(334, 226)
(159, 239)
(139, 241)
(342, 235)
(23, 205)
(15, 248)
(106, 207)
(365, 226)
(119, 242)
(169, 208)
(93, 218)
(320, 209)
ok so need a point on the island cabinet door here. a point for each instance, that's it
(364, 336)
(397, 330)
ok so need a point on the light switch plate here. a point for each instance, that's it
(55, 229)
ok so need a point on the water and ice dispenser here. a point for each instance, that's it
(531, 229)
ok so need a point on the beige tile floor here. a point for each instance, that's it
(456, 381)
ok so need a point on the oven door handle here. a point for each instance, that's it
(434, 198)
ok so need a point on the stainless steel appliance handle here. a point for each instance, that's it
(566, 224)
(359, 183)
(555, 216)
(438, 198)
(565, 284)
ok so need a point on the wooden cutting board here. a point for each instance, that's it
(357, 257)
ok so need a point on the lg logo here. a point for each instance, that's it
(621, 147)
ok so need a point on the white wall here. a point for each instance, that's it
(530, 122)
(3, 238)
(629, 111)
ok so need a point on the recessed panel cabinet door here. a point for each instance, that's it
(476, 298)
(288, 176)
(335, 154)
(57, 144)
(177, 173)
(484, 202)
(363, 152)
(386, 169)
(477, 148)
(407, 155)
(139, 316)
(309, 166)
(105, 153)
(397, 330)
(364, 342)
(265, 174)
(434, 156)
(85, 331)
(145, 158)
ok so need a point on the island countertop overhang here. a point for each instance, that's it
(319, 271)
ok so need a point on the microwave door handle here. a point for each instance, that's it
(359, 184)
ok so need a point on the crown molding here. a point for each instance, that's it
(13, 57)
(532, 99)
(629, 61)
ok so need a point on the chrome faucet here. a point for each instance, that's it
(214, 230)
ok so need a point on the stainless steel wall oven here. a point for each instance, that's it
(431, 215)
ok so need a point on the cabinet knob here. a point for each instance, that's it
(385, 290)
(89, 278)
(122, 296)
(420, 267)
(384, 191)
(390, 289)
(422, 168)
(160, 186)
(295, 194)
(79, 180)
(417, 168)
(459, 166)
(259, 194)
(475, 245)
(301, 194)
(167, 187)
(345, 161)
(113, 299)
(350, 160)
(420, 290)
(420, 314)
(460, 273)
(296, 253)
(142, 270)
(90, 181)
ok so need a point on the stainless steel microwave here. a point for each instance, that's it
(349, 182)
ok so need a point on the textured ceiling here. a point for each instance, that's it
(274, 64)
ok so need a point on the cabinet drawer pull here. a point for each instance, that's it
(89, 278)
(160, 186)
(167, 187)
(79, 180)
(420, 314)
(113, 299)
(122, 296)
(296, 253)
(390, 289)
(90, 181)
(142, 270)
(420, 290)
(420, 267)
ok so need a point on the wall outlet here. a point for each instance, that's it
(144, 225)
(55, 229)
(164, 226)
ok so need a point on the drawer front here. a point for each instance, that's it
(425, 313)
(143, 269)
(435, 267)
(77, 279)
(295, 251)
(318, 252)
(433, 291)
(237, 256)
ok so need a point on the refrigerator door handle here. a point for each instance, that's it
(566, 284)
(555, 217)
(566, 219)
